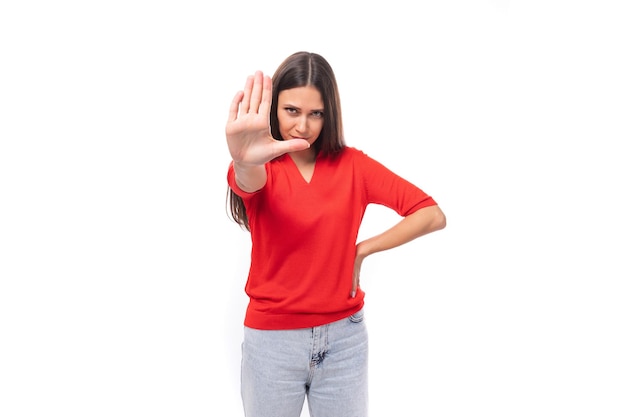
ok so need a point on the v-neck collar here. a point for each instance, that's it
(295, 166)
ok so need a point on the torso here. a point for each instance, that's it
(304, 232)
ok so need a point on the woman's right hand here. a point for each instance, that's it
(250, 142)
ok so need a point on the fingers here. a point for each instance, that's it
(266, 98)
(356, 274)
(257, 92)
(256, 97)
(355, 286)
(247, 92)
(234, 106)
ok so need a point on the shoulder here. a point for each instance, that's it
(358, 157)
(352, 153)
(353, 160)
(348, 156)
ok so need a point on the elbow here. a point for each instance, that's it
(438, 219)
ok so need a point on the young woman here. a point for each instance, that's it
(301, 192)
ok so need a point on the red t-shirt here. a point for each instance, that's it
(304, 236)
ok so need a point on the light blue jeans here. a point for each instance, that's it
(326, 364)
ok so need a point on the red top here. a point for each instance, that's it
(304, 236)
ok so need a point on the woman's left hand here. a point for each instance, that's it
(356, 273)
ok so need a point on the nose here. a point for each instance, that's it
(302, 124)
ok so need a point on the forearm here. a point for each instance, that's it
(420, 223)
(250, 177)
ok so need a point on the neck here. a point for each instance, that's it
(305, 156)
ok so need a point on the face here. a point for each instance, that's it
(300, 113)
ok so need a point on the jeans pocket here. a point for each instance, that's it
(357, 317)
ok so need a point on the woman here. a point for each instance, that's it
(302, 193)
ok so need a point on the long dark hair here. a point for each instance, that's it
(302, 69)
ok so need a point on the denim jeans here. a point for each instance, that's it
(326, 364)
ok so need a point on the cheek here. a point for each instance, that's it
(319, 125)
(283, 123)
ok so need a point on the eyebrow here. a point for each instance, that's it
(299, 108)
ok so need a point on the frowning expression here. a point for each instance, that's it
(300, 113)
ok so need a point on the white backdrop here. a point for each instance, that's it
(122, 277)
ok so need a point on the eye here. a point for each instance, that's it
(291, 110)
(318, 114)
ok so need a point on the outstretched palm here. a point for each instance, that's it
(247, 130)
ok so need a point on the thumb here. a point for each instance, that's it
(356, 274)
(291, 145)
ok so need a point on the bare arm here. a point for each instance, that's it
(424, 221)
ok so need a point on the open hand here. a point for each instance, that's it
(247, 129)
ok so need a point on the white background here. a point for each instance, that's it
(122, 277)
